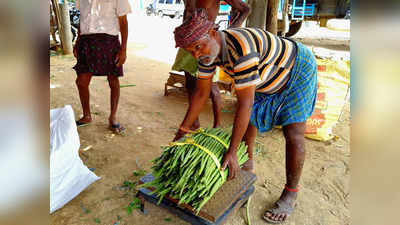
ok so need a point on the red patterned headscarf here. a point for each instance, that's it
(193, 28)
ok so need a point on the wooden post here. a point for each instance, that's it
(53, 23)
(56, 11)
(66, 34)
(257, 17)
(272, 16)
(64, 26)
(285, 17)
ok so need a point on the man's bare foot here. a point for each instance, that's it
(116, 127)
(282, 209)
(85, 120)
(249, 166)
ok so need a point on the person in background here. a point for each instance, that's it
(99, 51)
(186, 62)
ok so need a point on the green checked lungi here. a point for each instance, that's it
(296, 102)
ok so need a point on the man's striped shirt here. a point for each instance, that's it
(252, 56)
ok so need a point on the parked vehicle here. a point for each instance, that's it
(150, 10)
(319, 10)
(171, 8)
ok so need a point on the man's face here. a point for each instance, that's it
(205, 50)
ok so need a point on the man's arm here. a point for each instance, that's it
(75, 49)
(241, 11)
(123, 25)
(190, 6)
(199, 98)
(242, 117)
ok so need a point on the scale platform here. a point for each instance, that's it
(225, 202)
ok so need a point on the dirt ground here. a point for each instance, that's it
(151, 120)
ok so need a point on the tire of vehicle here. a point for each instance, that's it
(177, 15)
(160, 14)
(293, 29)
(73, 31)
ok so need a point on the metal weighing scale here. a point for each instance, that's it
(225, 202)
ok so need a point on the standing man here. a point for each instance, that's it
(276, 84)
(99, 52)
(186, 62)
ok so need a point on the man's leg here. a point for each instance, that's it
(190, 86)
(249, 139)
(215, 96)
(295, 154)
(82, 82)
(113, 82)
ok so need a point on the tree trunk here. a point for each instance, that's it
(272, 16)
(64, 26)
(258, 15)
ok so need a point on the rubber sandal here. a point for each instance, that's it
(81, 124)
(279, 208)
(117, 128)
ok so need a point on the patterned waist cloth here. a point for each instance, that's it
(296, 102)
(96, 55)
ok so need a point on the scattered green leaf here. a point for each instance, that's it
(168, 219)
(129, 184)
(159, 113)
(139, 173)
(127, 85)
(97, 220)
(119, 217)
(226, 111)
(136, 201)
(129, 208)
(135, 204)
(87, 211)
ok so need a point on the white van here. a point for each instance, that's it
(171, 8)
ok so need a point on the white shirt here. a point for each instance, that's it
(101, 16)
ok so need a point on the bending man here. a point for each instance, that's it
(276, 84)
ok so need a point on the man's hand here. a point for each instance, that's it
(75, 50)
(230, 160)
(179, 134)
(190, 7)
(188, 13)
(240, 11)
(123, 26)
(120, 58)
(234, 16)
